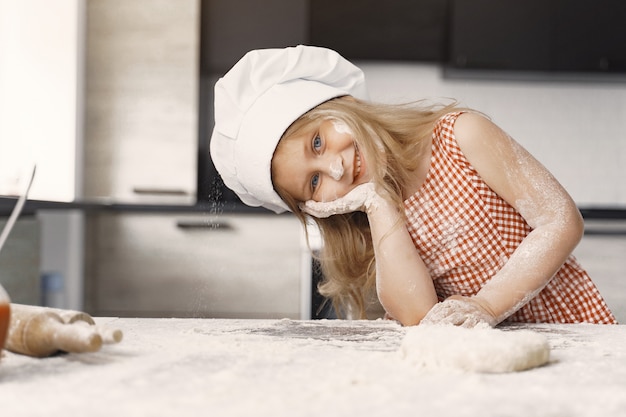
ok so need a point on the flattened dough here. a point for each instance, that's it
(478, 349)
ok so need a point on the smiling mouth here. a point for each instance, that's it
(357, 161)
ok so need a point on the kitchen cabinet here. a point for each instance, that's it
(193, 265)
(141, 100)
(41, 62)
(538, 35)
(141, 149)
(396, 30)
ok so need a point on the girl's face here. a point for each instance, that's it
(320, 163)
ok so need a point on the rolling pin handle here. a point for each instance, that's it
(75, 339)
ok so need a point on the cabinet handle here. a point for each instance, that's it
(208, 225)
(159, 191)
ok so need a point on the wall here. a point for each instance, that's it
(577, 127)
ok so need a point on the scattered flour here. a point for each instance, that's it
(478, 349)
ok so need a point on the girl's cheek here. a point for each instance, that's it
(334, 191)
(331, 192)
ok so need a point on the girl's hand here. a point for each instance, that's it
(460, 311)
(362, 198)
(403, 283)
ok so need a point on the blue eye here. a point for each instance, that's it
(317, 143)
(315, 179)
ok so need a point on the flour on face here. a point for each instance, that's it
(336, 169)
(341, 127)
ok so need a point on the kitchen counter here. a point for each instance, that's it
(106, 204)
(216, 367)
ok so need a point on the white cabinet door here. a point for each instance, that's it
(41, 57)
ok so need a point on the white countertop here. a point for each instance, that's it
(186, 367)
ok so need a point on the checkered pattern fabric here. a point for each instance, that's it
(465, 233)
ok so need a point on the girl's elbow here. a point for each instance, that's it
(576, 226)
(406, 317)
(411, 321)
(567, 224)
(406, 320)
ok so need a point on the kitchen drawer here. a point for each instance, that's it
(162, 265)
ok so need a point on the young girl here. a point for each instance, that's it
(433, 209)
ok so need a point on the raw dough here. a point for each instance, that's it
(478, 349)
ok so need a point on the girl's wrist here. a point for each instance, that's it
(487, 308)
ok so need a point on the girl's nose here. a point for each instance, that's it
(335, 170)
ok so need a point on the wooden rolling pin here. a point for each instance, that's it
(109, 335)
(40, 332)
(71, 316)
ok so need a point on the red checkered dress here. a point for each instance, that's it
(465, 233)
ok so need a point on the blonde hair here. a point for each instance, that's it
(395, 138)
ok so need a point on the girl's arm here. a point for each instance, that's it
(404, 286)
(403, 283)
(524, 183)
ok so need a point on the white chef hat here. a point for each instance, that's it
(258, 99)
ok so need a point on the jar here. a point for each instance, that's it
(4, 316)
